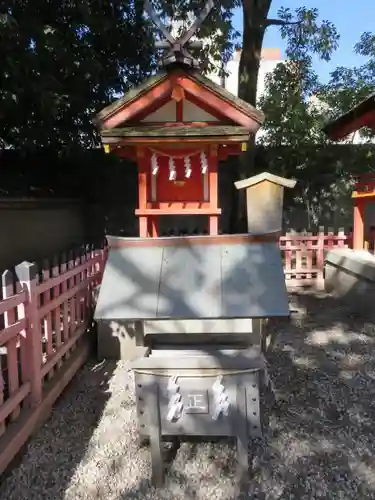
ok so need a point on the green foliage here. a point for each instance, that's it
(291, 119)
(325, 175)
(305, 35)
(297, 106)
(61, 61)
(291, 116)
(217, 28)
(349, 86)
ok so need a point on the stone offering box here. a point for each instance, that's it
(207, 392)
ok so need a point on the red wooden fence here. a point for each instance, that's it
(303, 255)
(45, 316)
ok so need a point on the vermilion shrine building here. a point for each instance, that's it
(177, 126)
(362, 115)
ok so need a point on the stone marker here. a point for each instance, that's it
(264, 201)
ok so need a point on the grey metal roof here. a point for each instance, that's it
(244, 280)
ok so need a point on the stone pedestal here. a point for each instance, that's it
(350, 276)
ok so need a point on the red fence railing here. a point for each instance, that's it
(44, 315)
(303, 255)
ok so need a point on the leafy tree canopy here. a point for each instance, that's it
(63, 60)
(297, 105)
(60, 61)
(349, 86)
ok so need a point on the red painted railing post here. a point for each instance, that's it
(320, 257)
(11, 346)
(27, 274)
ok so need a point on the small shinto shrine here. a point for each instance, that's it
(177, 126)
(188, 311)
(363, 195)
(362, 115)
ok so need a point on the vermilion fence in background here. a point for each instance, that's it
(45, 314)
(303, 255)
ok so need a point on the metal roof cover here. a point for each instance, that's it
(244, 280)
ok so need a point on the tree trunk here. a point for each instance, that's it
(255, 12)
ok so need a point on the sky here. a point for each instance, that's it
(351, 20)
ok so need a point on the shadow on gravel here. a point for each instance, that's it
(320, 442)
(323, 367)
(62, 441)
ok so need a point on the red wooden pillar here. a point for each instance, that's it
(358, 224)
(142, 193)
(213, 189)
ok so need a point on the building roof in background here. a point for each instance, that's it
(266, 55)
(362, 115)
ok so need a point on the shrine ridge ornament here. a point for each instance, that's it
(178, 48)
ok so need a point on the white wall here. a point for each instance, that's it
(269, 60)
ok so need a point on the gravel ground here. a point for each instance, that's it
(319, 444)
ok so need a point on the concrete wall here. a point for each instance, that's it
(35, 229)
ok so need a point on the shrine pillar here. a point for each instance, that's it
(142, 192)
(358, 224)
(213, 190)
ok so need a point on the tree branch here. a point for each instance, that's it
(278, 22)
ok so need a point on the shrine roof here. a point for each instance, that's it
(131, 95)
(226, 276)
(241, 133)
(163, 75)
(265, 176)
(228, 96)
(362, 115)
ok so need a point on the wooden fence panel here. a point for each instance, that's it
(303, 255)
(44, 314)
(15, 384)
